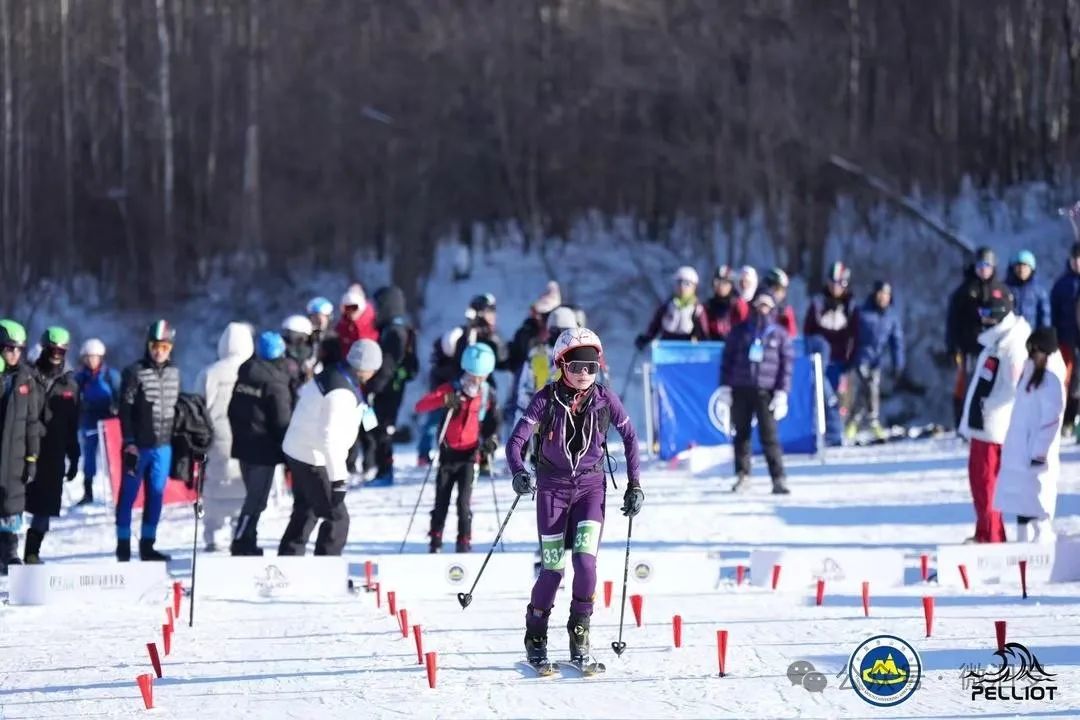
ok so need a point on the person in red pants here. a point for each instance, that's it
(989, 403)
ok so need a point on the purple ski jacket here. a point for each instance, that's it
(556, 468)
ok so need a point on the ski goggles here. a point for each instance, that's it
(160, 346)
(11, 348)
(577, 367)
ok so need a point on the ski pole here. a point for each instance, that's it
(412, 518)
(619, 646)
(197, 469)
(495, 496)
(466, 598)
(629, 373)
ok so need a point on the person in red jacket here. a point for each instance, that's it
(725, 309)
(471, 428)
(357, 319)
(776, 284)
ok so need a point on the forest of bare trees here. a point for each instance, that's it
(140, 137)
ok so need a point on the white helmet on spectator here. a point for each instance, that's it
(298, 324)
(93, 346)
(686, 274)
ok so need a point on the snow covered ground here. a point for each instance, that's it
(283, 659)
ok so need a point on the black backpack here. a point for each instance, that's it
(193, 432)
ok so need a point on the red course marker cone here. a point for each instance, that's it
(721, 649)
(146, 687)
(169, 619)
(999, 628)
(419, 644)
(432, 668)
(608, 588)
(367, 575)
(775, 576)
(740, 574)
(635, 604)
(403, 618)
(866, 598)
(391, 601)
(928, 612)
(820, 591)
(1023, 577)
(177, 593)
(964, 577)
(924, 566)
(151, 648)
(166, 638)
(378, 596)
(676, 628)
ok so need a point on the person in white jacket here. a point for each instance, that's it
(324, 424)
(1030, 463)
(989, 403)
(223, 488)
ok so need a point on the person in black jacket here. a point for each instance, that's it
(387, 387)
(20, 438)
(149, 390)
(60, 441)
(481, 317)
(963, 323)
(259, 415)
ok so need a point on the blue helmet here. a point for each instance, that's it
(320, 306)
(478, 359)
(1025, 257)
(271, 345)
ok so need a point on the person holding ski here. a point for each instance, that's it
(1030, 457)
(59, 442)
(20, 438)
(472, 429)
(878, 330)
(259, 414)
(569, 419)
(755, 379)
(725, 309)
(989, 402)
(681, 317)
(99, 399)
(323, 427)
(149, 391)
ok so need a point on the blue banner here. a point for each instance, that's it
(685, 380)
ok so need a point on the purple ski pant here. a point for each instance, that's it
(559, 512)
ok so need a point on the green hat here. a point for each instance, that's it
(12, 333)
(56, 337)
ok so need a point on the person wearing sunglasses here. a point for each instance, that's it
(755, 379)
(964, 324)
(988, 405)
(1030, 457)
(567, 420)
(149, 390)
(682, 316)
(59, 442)
(20, 438)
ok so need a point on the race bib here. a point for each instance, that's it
(369, 421)
(757, 351)
(587, 538)
(552, 552)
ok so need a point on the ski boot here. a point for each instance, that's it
(87, 499)
(32, 551)
(878, 432)
(742, 484)
(536, 641)
(464, 544)
(123, 550)
(436, 542)
(578, 627)
(380, 479)
(148, 553)
(779, 486)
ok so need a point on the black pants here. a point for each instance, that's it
(454, 470)
(386, 405)
(258, 479)
(314, 497)
(746, 404)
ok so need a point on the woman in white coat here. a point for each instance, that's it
(1030, 463)
(223, 487)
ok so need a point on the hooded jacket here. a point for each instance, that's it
(1030, 300)
(148, 395)
(963, 324)
(393, 326)
(363, 327)
(59, 440)
(215, 383)
(20, 434)
(1064, 297)
(879, 330)
(992, 390)
(99, 395)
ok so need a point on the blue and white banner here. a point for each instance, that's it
(685, 383)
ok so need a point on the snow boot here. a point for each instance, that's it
(578, 627)
(245, 542)
(123, 550)
(878, 431)
(851, 430)
(382, 479)
(779, 486)
(741, 485)
(436, 542)
(148, 553)
(536, 648)
(87, 499)
(32, 550)
(464, 544)
(9, 551)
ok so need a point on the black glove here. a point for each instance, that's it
(29, 472)
(452, 401)
(1038, 462)
(337, 492)
(131, 461)
(633, 499)
(489, 446)
(641, 341)
(73, 470)
(523, 483)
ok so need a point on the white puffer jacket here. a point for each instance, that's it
(215, 383)
(1035, 432)
(992, 391)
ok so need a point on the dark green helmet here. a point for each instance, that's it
(55, 337)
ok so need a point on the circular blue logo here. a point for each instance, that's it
(884, 670)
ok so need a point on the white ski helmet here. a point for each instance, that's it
(448, 343)
(575, 338)
(298, 324)
(562, 318)
(93, 346)
(354, 296)
(686, 273)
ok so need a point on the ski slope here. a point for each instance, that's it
(284, 659)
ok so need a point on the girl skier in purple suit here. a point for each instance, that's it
(569, 418)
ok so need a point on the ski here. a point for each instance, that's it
(588, 669)
(543, 669)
